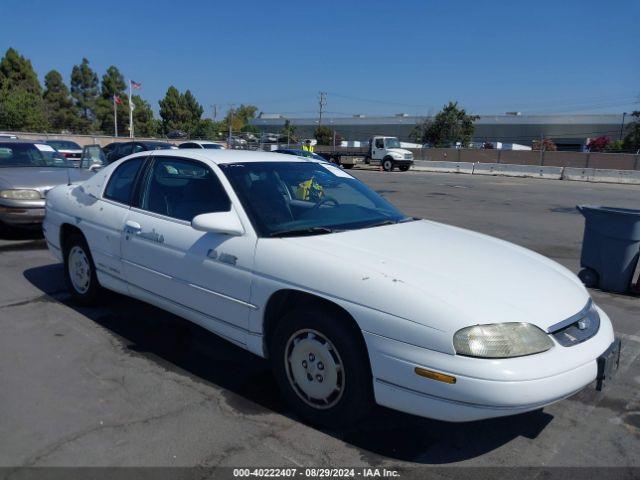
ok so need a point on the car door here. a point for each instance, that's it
(166, 260)
(103, 223)
(378, 151)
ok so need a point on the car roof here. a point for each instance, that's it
(222, 157)
(20, 140)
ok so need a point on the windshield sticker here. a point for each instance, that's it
(44, 148)
(337, 171)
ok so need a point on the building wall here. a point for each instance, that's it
(568, 131)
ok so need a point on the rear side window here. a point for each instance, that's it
(120, 186)
(182, 189)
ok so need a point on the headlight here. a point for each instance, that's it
(501, 340)
(20, 194)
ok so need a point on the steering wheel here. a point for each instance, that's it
(324, 200)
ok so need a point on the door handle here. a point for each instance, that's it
(131, 225)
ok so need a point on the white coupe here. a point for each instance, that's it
(352, 301)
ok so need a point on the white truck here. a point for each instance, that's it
(383, 151)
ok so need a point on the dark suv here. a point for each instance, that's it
(117, 150)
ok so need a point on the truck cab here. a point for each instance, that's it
(386, 151)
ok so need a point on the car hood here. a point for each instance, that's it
(40, 178)
(442, 276)
(401, 151)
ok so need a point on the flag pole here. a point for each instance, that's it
(130, 113)
(115, 116)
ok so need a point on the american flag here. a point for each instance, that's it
(117, 99)
(135, 84)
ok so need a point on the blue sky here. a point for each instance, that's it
(371, 57)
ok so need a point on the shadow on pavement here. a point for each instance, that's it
(250, 387)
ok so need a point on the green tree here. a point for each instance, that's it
(207, 129)
(112, 84)
(144, 125)
(21, 104)
(451, 125)
(324, 135)
(632, 140)
(21, 110)
(180, 111)
(239, 117)
(289, 131)
(59, 109)
(84, 90)
(16, 73)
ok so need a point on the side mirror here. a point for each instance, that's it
(226, 223)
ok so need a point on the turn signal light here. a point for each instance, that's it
(440, 377)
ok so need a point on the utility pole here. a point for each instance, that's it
(624, 114)
(215, 111)
(322, 103)
(231, 105)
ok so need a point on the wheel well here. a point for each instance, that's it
(388, 157)
(66, 230)
(284, 301)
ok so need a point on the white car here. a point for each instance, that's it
(352, 301)
(202, 144)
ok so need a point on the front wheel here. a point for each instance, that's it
(322, 367)
(387, 165)
(80, 271)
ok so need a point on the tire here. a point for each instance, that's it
(404, 168)
(307, 346)
(387, 165)
(589, 277)
(80, 272)
(347, 166)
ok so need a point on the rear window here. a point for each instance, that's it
(120, 186)
(30, 155)
(211, 146)
(64, 145)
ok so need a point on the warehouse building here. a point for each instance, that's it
(569, 132)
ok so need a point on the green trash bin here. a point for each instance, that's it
(610, 247)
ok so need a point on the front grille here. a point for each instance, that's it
(577, 332)
(408, 156)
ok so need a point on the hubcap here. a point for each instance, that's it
(314, 369)
(79, 270)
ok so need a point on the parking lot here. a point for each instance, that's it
(129, 384)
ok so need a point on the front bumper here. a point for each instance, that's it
(22, 213)
(483, 388)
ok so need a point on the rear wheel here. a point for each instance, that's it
(80, 271)
(387, 165)
(322, 367)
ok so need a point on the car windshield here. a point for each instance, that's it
(211, 146)
(306, 198)
(391, 143)
(30, 155)
(64, 145)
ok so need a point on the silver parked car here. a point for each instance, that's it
(28, 170)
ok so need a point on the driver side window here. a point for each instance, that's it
(183, 189)
(379, 143)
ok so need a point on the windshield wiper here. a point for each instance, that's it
(391, 222)
(299, 232)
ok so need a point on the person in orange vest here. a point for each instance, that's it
(307, 147)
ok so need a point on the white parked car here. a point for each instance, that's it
(352, 301)
(199, 144)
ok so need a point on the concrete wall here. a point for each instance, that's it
(614, 161)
